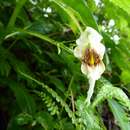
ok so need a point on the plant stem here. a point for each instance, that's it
(15, 13)
(90, 91)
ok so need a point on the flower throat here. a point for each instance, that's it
(91, 58)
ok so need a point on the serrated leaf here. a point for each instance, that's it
(108, 91)
(87, 116)
(119, 114)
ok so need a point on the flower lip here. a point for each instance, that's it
(91, 58)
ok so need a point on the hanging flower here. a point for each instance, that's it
(90, 51)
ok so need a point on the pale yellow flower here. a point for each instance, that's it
(90, 51)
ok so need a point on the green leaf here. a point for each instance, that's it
(65, 16)
(54, 95)
(43, 37)
(58, 83)
(24, 100)
(24, 119)
(108, 91)
(125, 76)
(125, 4)
(12, 125)
(4, 68)
(45, 120)
(119, 114)
(87, 116)
(122, 51)
(81, 10)
(17, 9)
(70, 12)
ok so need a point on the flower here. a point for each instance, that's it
(90, 51)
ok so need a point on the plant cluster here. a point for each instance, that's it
(41, 83)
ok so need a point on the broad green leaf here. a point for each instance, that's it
(66, 21)
(125, 76)
(123, 61)
(82, 10)
(70, 13)
(119, 114)
(119, 19)
(119, 53)
(125, 4)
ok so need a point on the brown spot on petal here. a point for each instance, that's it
(91, 58)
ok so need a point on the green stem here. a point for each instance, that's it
(90, 91)
(43, 37)
(16, 11)
(46, 38)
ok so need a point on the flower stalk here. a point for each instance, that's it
(90, 91)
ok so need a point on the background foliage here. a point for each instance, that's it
(41, 85)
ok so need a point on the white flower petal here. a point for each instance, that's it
(78, 52)
(83, 39)
(95, 41)
(84, 69)
(99, 49)
(93, 36)
(95, 72)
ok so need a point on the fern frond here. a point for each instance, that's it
(49, 102)
(54, 95)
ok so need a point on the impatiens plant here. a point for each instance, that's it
(54, 51)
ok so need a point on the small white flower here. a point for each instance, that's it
(111, 23)
(116, 38)
(90, 51)
(97, 2)
(48, 10)
(34, 2)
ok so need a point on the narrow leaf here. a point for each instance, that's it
(24, 100)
